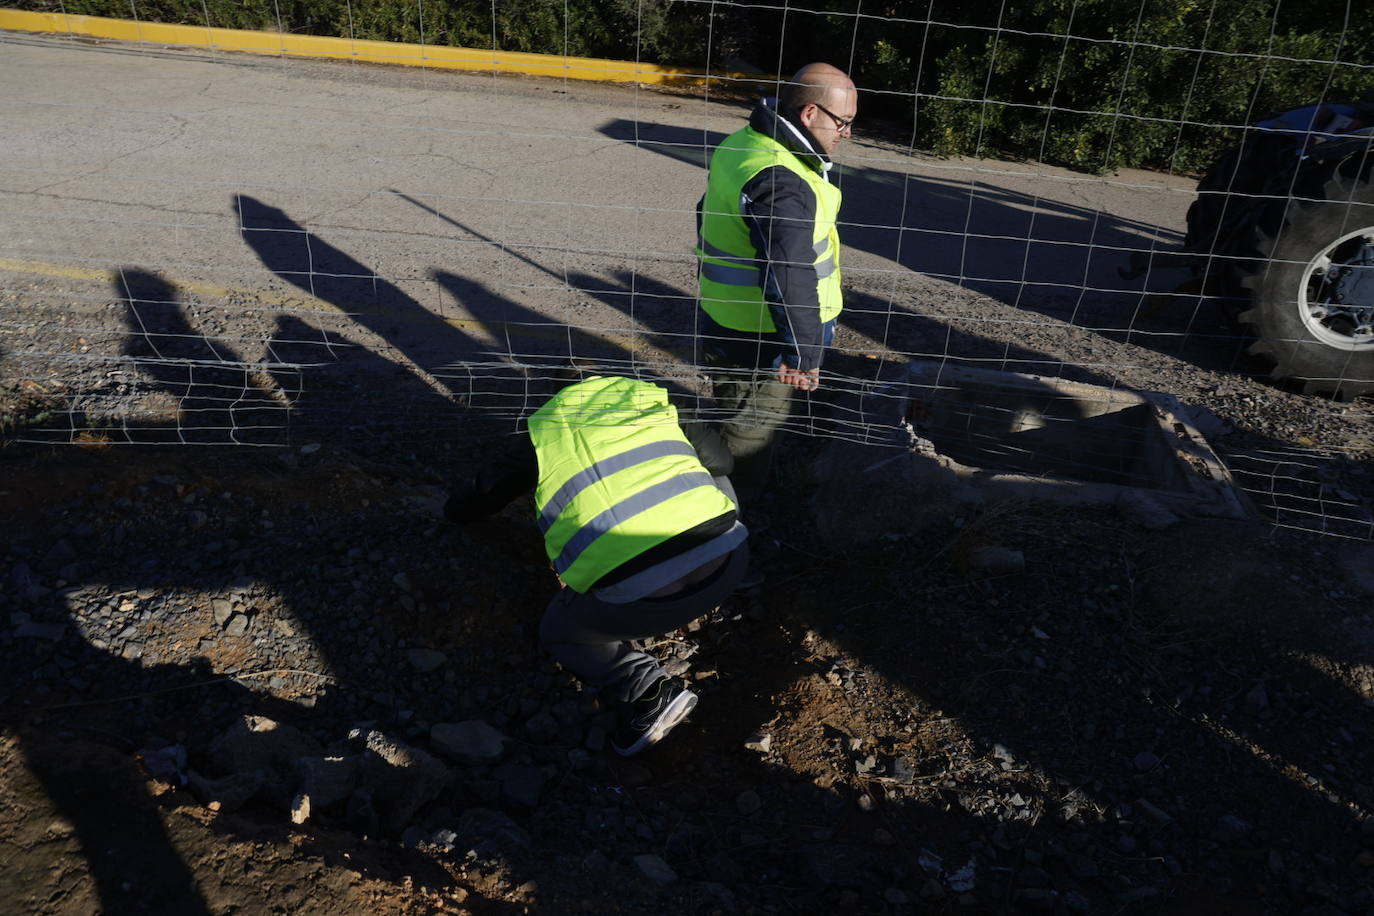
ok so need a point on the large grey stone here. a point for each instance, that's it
(165, 763)
(228, 793)
(402, 778)
(259, 743)
(425, 660)
(327, 780)
(473, 741)
(541, 728)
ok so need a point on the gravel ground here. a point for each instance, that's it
(242, 683)
(263, 680)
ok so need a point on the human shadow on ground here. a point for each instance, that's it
(1033, 252)
(368, 300)
(452, 376)
(216, 396)
(308, 384)
(481, 370)
(156, 532)
(526, 336)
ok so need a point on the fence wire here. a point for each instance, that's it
(384, 258)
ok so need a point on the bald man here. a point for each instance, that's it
(768, 250)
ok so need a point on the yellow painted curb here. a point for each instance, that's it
(440, 57)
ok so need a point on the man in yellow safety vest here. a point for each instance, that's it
(768, 254)
(640, 525)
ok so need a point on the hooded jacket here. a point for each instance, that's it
(779, 210)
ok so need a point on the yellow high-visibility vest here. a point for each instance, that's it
(730, 275)
(617, 477)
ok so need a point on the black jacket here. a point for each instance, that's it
(780, 211)
(490, 490)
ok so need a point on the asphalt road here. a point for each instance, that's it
(482, 200)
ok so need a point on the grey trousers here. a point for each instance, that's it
(756, 405)
(591, 637)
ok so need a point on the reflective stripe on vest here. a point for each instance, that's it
(730, 277)
(749, 275)
(605, 468)
(617, 477)
(627, 508)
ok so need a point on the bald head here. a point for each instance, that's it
(814, 90)
(814, 84)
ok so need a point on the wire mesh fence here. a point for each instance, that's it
(203, 248)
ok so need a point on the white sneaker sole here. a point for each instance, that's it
(677, 710)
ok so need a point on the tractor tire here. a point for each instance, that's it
(1304, 278)
(1227, 194)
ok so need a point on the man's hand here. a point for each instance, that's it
(809, 380)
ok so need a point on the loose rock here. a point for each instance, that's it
(473, 741)
(654, 867)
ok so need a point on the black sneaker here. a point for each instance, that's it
(643, 722)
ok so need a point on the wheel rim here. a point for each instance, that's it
(1336, 302)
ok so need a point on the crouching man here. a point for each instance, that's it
(640, 524)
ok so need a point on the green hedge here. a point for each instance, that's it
(1128, 88)
(965, 77)
(594, 28)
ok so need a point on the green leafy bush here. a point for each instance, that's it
(1094, 85)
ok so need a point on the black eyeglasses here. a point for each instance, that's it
(841, 124)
